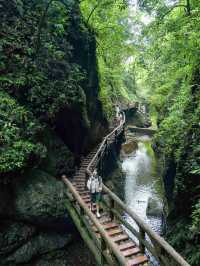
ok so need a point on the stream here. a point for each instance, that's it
(141, 180)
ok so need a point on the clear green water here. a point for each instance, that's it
(142, 181)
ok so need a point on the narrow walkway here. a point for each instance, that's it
(115, 232)
(128, 248)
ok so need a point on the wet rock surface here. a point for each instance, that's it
(129, 146)
(40, 198)
(35, 247)
(154, 208)
(13, 235)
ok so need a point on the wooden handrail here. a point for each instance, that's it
(119, 127)
(144, 228)
(158, 246)
(147, 229)
(121, 259)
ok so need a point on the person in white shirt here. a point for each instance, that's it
(120, 118)
(117, 109)
(94, 185)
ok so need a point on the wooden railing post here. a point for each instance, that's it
(112, 206)
(103, 250)
(115, 136)
(106, 147)
(142, 237)
(86, 178)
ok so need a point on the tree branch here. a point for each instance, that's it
(169, 11)
(92, 11)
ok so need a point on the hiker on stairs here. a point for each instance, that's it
(94, 185)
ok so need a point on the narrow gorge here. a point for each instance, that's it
(69, 71)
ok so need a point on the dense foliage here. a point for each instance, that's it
(111, 22)
(49, 85)
(18, 136)
(45, 51)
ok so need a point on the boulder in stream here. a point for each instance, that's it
(154, 208)
(129, 147)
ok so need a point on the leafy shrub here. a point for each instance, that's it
(18, 134)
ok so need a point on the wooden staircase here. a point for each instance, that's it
(125, 244)
(107, 237)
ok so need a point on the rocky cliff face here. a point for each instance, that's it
(48, 70)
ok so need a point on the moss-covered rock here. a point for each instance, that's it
(13, 235)
(37, 246)
(154, 208)
(49, 75)
(129, 147)
(39, 198)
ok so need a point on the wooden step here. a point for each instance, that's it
(86, 197)
(131, 252)
(82, 172)
(83, 167)
(126, 245)
(79, 181)
(78, 184)
(137, 260)
(104, 218)
(87, 161)
(89, 204)
(85, 192)
(80, 189)
(120, 237)
(79, 176)
(87, 200)
(113, 232)
(110, 226)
